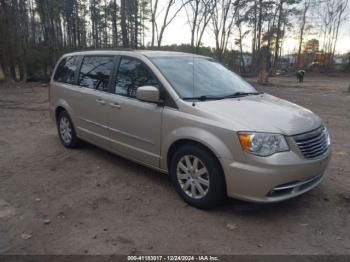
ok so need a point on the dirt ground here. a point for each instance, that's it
(88, 201)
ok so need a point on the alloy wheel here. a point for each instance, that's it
(65, 130)
(193, 176)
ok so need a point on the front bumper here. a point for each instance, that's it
(275, 178)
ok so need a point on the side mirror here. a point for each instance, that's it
(148, 94)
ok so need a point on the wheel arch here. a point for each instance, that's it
(62, 105)
(185, 141)
(202, 137)
(58, 110)
(181, 142)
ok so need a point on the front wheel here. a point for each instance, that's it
(197, 176)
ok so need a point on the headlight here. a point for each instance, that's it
(262, 144)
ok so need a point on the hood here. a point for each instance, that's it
(262, 113)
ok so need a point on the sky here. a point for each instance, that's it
(178, 32)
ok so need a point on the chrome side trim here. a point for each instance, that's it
(297, 184)
(131, 135)
(295, 188)
(118, 131)
(92, 133)
(94, 123)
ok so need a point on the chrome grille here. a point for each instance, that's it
(313, 144)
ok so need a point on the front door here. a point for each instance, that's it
(135, 126)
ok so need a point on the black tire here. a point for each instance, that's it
(73, 142)
(216, 191)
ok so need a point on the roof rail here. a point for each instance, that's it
(105, 49)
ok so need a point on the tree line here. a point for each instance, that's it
(34, 33)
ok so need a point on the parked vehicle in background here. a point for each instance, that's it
(189, 116)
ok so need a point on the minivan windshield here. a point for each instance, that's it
(202, 78)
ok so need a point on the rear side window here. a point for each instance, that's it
(132, 74)
(95, 72)
(65, 71)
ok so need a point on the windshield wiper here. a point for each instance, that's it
(210, 97)
(241, 94)
(203, 98)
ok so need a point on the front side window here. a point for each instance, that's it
(65, 71)
(195, 77)
(132, 74)
(95, 72)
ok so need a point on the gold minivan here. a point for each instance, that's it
(189, 116)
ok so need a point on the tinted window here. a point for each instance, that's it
(132, 74)
(66, 70)
(95, 72)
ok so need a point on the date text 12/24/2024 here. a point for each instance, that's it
(173, 258)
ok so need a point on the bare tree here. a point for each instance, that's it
(169, 17)
(278, 31)
(114, 9)
(257, 14)
(340, 10)
(154, 9)
(125, 40)
(331, 14)
(199, 14)
(239, 22)
(222, 23)
(285, 9)
(305, 9)
(144, 17)
(34, 33)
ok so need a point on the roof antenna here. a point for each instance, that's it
(193, 103)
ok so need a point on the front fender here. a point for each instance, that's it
(199, 135)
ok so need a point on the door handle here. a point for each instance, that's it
(100, 101)
(115, 105)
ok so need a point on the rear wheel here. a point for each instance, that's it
(197, 176)
(66, 130)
